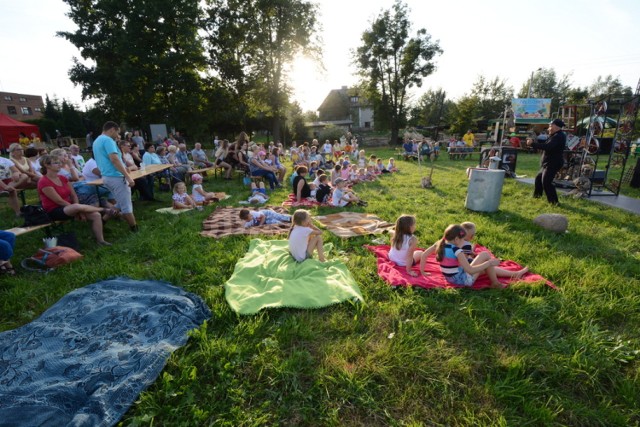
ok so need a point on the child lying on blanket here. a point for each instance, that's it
(304, 237)
(456, 268)
(403, 246)
(262, 217)
(258, 194)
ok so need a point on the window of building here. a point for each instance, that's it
(23, 99)
(37, 110)
(8, 98)
(354, 99)
(11, 109)
(367, 125)
(26, 111)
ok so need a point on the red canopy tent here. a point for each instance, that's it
(10, 130)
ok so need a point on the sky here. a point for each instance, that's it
(504, 38)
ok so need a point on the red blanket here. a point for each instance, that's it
(397, 276)
(308, 202)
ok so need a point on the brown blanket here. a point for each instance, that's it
(349, 224)
(226, 222)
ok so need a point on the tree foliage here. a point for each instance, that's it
(608, 85)
(390, 62)
(251, 44)
(546, 84)
(142, 59)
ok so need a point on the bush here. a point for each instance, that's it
(331, 133)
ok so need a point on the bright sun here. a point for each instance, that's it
(308, 83)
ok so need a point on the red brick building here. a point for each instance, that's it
(21, 107)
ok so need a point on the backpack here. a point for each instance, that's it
(47, 259)
(34, 215)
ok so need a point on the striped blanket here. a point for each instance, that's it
(225, 222)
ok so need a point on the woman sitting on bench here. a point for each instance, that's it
(60, 201)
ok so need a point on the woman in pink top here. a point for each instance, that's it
(60, 201)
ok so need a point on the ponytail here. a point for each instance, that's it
(452, 231)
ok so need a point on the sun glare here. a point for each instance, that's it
(308, 83)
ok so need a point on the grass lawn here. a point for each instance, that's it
(528, 355)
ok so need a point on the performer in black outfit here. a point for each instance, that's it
(551, 162)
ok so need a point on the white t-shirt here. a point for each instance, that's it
(399, 256)
(336, 199)
(5, 168)
(326, 148)
(299, 241)
(79, 160)
(255, 219)
(87, 170)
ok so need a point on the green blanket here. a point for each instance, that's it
(268, 276)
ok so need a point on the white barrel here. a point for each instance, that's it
(485, 189)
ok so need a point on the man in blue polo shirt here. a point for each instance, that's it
(114, 174)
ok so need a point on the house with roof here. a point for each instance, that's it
(344, 108)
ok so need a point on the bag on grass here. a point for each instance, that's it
(246, 180)
(47, 259)
(69, 240)
(34, 215)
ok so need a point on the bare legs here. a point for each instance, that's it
(315, 244)
(91, 213)
(495, 272)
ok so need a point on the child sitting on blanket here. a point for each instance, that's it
(323, 192)
(467, 247)
(456, 268)
(182, 200)
(198, 194)
(304, 237)
(343, 196)
(403, 250)
(262, 217)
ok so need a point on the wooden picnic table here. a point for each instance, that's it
(148, 170)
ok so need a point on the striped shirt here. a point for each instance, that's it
(449, 265)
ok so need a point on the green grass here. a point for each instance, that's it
(528, 355)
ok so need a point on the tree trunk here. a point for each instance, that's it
(276, 129)
(394, 136)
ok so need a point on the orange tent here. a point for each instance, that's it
(10, 130)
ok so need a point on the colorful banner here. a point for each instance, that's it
(531, 108)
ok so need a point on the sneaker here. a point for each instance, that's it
(134, 228)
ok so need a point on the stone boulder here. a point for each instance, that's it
(552, 222)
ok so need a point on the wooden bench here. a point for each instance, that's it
(18, 231)
(205, 171)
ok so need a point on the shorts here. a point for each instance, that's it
(57, 214)
(461, 278)
(260, 190)
(121, 192)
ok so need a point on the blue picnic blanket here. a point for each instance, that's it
(88, 357)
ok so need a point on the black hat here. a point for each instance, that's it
(558, 123)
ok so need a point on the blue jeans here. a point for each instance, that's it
(273, 181)
(7, 243)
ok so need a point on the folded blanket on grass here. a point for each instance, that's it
(268, 276)
(291, 202)
(88, 357)
(394, 275)
(173, 211)
(349, 224)
(226, 222)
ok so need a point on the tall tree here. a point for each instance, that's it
(492, 97)
(143, 58)
(432, 109)
(608, 85)
(390, 62)
(251, 44)
(546, 84)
